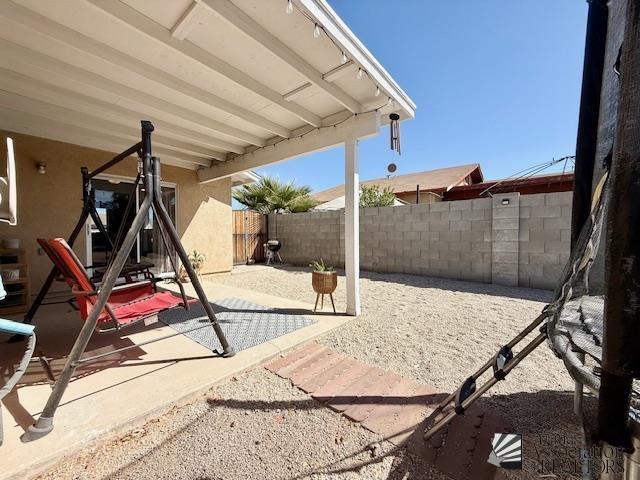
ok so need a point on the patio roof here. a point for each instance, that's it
(220, 79)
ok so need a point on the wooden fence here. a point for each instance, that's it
(249, 236)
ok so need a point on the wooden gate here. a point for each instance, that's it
(249, 236)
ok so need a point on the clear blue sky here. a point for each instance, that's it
(496, 82)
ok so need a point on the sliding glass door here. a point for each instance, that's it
(111, 198)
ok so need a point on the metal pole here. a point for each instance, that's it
(44, 425)
(587, 141)
(620, 353)
(117, 159)
(164, 219)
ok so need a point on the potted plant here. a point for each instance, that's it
(324, 280)
(196, 259)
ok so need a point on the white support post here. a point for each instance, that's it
(352, 226)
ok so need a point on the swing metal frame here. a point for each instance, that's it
(152, 201)
(89, 211)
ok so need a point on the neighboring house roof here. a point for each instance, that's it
(546, 183)
(339, 202)
(439, 180)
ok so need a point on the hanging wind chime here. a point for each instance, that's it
(394, 131)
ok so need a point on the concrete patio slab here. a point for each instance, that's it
(125, 389)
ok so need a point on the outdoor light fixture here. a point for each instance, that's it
(359, 75)
(41, 167)
(343, 60)
(505, 201)
(289, 8)
(377, 91)
(316, 31)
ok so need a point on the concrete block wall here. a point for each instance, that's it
(545, 238)
(508, 239)
(310, 236)
(444, 239)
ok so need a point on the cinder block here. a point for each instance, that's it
(481, 225)
(439, 264)
(542, 282)
(411, 235)
(481, 246)
(481, 214)
(430, 254)
(505, 235)
(545, 235)
(532, 200)
(505, 223)
(544, 259)
(525, 212)
(420, 226)
(460, 205)
(505, 247)
(439, 207)
(506, 212)
(498, 268)
(460, 225)
(451, 215)
(559, 199)
(459, 246)
(504, 279)
(505, 257)
(433, 236)
(546, 212)
(531, 224)
(556, 223)
(386, 211)
(556, 247)
(439, 226)
(531, 270)
(481, 204)
(450, 236)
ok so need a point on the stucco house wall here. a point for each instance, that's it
(49, 205)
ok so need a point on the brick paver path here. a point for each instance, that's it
(393, 407)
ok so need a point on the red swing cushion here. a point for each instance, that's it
(129, 303)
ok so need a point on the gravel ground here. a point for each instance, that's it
(434, 331)
(255, 426)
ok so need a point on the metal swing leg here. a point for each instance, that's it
(88, 210)
(44, 424)
(165, 220)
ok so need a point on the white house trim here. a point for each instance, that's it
(360, 126)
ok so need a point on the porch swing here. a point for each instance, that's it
(121, 305)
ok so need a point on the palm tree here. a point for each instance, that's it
(270, 195)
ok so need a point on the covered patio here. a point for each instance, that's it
(230, 86)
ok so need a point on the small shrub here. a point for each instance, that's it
(320, 266)
(371, 196)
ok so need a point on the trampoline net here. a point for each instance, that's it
(575, 318)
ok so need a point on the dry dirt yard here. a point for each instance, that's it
(435, 331)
